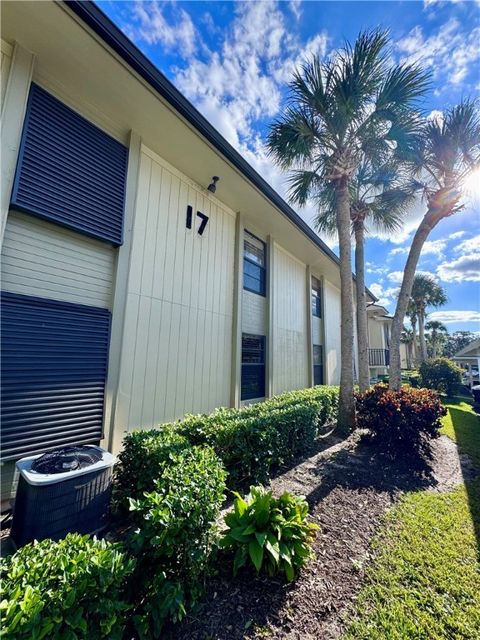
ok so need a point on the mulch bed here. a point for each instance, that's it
(348, 488)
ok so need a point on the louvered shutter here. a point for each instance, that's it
(54, 368)
(69, 171)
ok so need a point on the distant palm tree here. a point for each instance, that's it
(449, 152)
(437, 333)
(426, 292)
(351, 107)
(408, 339)
(380, 197)
(412, 314)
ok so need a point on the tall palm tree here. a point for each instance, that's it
(379, 197)
(449, 152)
(352, 106)
(426, 292)
(437, 333)
(408, 339)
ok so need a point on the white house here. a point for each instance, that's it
(147, 270)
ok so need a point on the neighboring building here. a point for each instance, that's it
(469, 359)
(131, 294)
(379, 324)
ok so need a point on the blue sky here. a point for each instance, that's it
(233, 60)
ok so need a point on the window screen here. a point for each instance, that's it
(254, 264)
(253, 367)
(316, 297)
(317, 364)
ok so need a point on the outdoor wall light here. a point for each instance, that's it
(212, 187)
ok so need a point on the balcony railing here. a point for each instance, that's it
(379, 357)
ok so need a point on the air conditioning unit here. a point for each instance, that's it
(62, 491)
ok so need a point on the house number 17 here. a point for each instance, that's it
(202, 216)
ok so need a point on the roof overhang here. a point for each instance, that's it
(84, 59)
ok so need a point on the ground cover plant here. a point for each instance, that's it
(71, 589)
(173, 537)
(271, 533)
(462, 425)
(400, 423)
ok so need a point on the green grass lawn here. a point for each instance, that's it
(424, 581)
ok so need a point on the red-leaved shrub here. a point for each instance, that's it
(400, 423)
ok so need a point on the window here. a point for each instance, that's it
(253, 367)
(254, 272)
(316, 297)
(317, 364)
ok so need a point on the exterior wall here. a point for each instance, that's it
(289, 330)
(6, 59)
(254, 313)
(333, 318)
(375, 334)
(177, 339)
(45, 260)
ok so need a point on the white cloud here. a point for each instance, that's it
(451, 317)
(472, 245)
(370, 267)
(150, 25)
(434, 247)
(399, 250)
(396, 276)
(451, 52)
(386, 296)
(456, 235)
(463, 269)
(294, 6)
(436, 116)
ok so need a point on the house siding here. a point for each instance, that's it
(333, 319)
(289, 330)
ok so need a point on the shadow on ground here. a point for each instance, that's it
(348, 486)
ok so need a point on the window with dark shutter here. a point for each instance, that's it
(69, 171)
(253, 367)
(317, 364)
(316, 297)
(254, 264)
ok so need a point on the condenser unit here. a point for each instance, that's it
(62, 491)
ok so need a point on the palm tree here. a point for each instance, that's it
(379, 198)
(437, 333)
(350, 107)
(408, 338)
(413, 317)
(449, 152)
(426, 292)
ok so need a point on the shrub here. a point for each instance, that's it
(68, 589)
(441, 374)
(270, 533)
(142, 460)
(400, 422)
(253, 439)
(174, 535)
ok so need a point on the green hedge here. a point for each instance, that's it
(249, 441)
(68, 589)
(174, 533)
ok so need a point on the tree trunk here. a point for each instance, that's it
(403, 297)
(346, 403)
(434, 348)
(421, 333)
(414, 343)
(362, 327)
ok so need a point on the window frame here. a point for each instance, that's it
(318, 368)
(316, 297)
(254, 365)
(262, 291)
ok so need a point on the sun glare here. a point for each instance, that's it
(471, 186)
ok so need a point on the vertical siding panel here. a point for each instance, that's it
(182, 361)
(151, 220)
(138, 240)
(127, 363)
(160, 390)
(153, 350)
(140, 358)
(164, 215)
(169, 274)
(172, 362)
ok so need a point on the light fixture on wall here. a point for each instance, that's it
(212, 187)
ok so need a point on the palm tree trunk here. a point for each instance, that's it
(346, 403)
(434, 347)
(421, 333)
(362, 328)
(403, 297)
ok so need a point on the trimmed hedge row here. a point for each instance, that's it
(249, 441)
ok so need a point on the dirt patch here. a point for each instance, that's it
(349, 487)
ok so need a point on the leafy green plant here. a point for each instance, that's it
(441, 374)
(71, 589)
(401, 423)
(175, 531)
(270, 533)
(141, 461)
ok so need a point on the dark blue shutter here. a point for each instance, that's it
(69, 171)
(54, 368)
